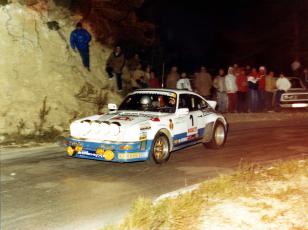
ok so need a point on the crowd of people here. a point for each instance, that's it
(239, 89)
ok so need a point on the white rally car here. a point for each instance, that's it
(148, 125)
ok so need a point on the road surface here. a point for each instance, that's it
(47, 190)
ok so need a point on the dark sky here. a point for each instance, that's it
(219, 33)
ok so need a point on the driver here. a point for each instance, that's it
(145, 102)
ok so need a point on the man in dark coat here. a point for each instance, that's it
(115, 64)
(80, 39)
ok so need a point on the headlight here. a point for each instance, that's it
(104, 129)
(95, 128)
(79, 129)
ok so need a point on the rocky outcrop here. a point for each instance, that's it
(38, 69)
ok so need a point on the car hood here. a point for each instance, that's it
(111, 126)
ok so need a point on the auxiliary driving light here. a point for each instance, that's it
(70, 151)
(100, 151)
(109, 155)
(78, 148)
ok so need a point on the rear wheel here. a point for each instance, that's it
(160, 151)
(219, 136)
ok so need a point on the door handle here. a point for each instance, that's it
(200, 116)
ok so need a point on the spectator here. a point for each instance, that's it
(231, 90)
(203, 83)
(183, 82)
(133, 63)
(241, 82)
(153, 82)
(304, 77)
(261, 89)
(142, 83)
(283, 85)
(137, 75)
(172, 78)
(247, 70)
(80, 39)
(147, 73)
(220, 86)
(253, 90)
(270, 86)
(115, 64)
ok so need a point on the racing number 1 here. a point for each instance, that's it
(192, 119)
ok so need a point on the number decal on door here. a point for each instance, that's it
(191, 117)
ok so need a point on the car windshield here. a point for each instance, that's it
(295, 83)
(152, 102)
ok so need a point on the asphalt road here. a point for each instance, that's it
(47, 190)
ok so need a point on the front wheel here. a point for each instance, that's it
(219, 136)
(160, 151)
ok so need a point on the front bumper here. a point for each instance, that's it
(294, 104)
(109, 151)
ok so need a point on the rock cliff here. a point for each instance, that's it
(43, 82)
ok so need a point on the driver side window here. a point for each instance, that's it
(185, 102)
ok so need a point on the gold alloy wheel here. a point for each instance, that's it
(161, 148)
(219, 135)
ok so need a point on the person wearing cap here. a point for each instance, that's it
(115, 64)
(80, 39)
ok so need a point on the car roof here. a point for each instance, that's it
(177, 91)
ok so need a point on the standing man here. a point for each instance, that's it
(253, 86)
(242, 85)
(115, 64)
(184, 82)
(261, 89)
(80, 39)
(172, 78)
(203, 83)
(220, 85)
(270, 86)
(231, 87)
(283, 85)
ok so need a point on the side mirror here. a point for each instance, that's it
(182, 111)
(112, 107)
(212, 104)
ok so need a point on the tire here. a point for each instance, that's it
(219, 136)
(160, 150)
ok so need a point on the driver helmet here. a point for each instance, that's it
(145, 101)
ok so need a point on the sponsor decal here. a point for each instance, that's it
(126, 156)
(176, 142)
(86, 153)
(145, 127)
(143, 136)
(171, 125)
(122, 118)
(192, 130)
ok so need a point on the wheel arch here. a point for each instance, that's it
(209, 128)
(168, 134)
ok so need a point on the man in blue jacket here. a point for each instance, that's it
(80, 39)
